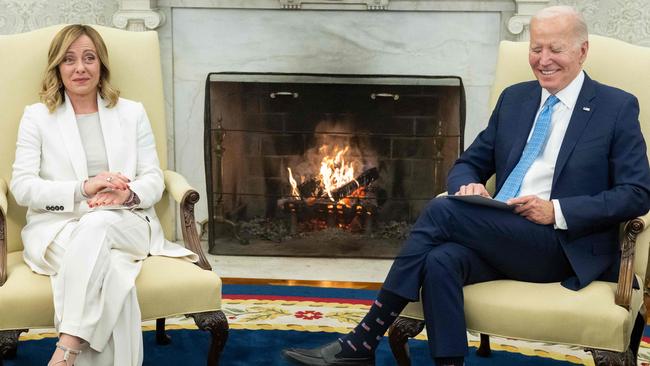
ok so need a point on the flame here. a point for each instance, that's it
(335, 172)
(294, 185)
(330, 172)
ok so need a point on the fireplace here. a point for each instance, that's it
(325, 165)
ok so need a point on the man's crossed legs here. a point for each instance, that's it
(452, 244)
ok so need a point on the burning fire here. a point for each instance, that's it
(359, 193)
(335, 172)
(294, 185)
(331, 187)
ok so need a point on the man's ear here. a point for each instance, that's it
(584, 49)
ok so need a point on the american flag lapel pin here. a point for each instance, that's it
(586, 109)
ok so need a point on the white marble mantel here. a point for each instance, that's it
(390, 5)
(144, 14)
(402, 37)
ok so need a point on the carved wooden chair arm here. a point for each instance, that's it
(187, 197)
(626, 272)
(3, 231)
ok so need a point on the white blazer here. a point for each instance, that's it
(51, 161)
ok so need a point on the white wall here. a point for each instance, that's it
(17, 16)
(628, 20)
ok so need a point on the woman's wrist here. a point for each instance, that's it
(83, 189)
(132, 200)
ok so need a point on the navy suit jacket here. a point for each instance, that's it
(601, 178)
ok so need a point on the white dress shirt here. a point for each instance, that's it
(539, 177)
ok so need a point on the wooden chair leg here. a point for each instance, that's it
(637, 333)
(398, 335)
(216, 323)
(484, 348)
(609, 358)
(162, 338)
(9, 343)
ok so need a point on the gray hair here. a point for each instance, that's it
(580, 31)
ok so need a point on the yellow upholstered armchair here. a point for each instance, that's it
(166, 286)
(604, 318)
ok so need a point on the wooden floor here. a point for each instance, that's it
(276, 282)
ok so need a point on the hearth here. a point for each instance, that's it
(325, 165)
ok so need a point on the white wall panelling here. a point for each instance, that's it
(17, 16)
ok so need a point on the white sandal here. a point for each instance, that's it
(66, 354)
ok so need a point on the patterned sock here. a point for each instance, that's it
(363, 340)
(450, 361)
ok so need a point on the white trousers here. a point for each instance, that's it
(98, 259)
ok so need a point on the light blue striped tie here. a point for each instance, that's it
(512, 185)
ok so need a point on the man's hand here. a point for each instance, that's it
(534, 209)
(473, 189)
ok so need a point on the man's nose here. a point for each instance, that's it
(545, 58)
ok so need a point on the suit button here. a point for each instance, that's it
(147, 217)
(62, 208)
(49, 208)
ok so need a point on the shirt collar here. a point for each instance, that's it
(569, 95)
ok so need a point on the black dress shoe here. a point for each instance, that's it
(326, 355)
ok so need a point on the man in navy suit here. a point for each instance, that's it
(568, 155)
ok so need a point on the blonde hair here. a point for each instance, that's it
(52, 89)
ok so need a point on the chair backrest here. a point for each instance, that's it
(610, 62)
(134, 60)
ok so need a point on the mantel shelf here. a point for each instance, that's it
(348, 5)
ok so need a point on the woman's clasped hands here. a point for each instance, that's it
(107, 188)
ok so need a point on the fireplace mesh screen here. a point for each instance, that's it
(325, 165)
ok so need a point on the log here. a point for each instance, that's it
(310, 188)
(363, 180)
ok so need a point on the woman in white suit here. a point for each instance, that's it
(86, 168)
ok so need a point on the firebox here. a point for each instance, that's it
(325, 165)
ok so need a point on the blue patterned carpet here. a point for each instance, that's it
(258, 347)
(266, 319)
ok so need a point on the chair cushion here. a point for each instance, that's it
(166, 287)
(171, 286)
(26, 298)
(548, 313)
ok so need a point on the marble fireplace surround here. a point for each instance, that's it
(399, 37)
